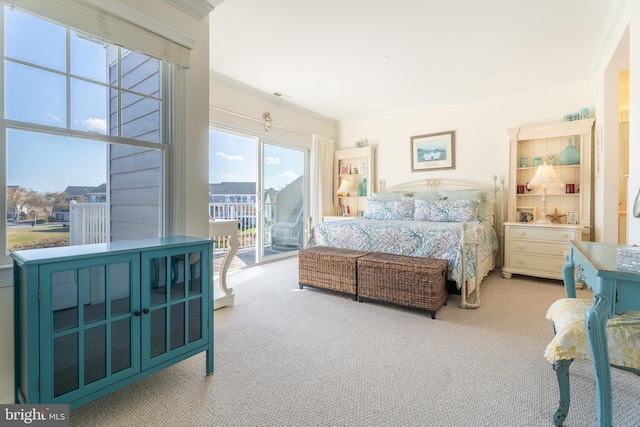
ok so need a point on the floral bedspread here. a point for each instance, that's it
(408, 237)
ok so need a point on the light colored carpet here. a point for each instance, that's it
(291, 357)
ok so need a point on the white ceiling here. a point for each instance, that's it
(347, 59)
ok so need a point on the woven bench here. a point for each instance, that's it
(329, 268)
(409, 281)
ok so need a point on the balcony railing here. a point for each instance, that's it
(243, 212)
(87, 223)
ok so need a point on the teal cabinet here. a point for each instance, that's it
(91, 319)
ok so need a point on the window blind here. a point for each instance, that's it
(106, 26)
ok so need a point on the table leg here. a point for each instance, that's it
(568, 274)
(233, 243)
(562, 374)
(596, 327)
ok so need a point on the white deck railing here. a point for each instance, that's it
(243, 212)
(87, 223)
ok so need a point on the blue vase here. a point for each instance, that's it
(570, 155)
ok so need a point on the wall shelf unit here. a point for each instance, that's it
(547, 141)
(354, 166)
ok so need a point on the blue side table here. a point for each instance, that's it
(615, 292)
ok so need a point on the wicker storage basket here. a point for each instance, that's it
(329, 268)
(405, 280)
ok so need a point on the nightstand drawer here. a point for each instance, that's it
(563, 235)
(549, 264)
(541, 248)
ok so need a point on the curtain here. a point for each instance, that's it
(321, 201)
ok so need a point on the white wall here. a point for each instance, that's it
(621, 53)
(482, 143)
(197, 101)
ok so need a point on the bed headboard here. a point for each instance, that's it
(442, 185)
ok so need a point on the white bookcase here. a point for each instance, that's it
(356, 167)
(547, 141)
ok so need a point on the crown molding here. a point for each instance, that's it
(199, 9)
(249, 90)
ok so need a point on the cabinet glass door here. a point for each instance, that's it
(91, 324)
(174, 285)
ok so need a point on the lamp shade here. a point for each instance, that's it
(343, 191)
(544, 175)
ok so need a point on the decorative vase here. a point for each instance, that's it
(364, 186)
(570, 155)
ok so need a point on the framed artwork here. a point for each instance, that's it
(435, 151)
(345, 169)
(572, 217)
(526, 214)
(363, 167)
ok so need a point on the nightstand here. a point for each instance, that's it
(537, 249)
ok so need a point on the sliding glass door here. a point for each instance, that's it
(282, 188)
(262, 185)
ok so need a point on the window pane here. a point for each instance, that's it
(90, 58)
(89, 106)
(140, 118)
(44, 174)
(140, 73)
(58, 184)
(35, 96)
(32, 39)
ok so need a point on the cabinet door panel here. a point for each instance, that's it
(87, 325)
(66, 369)
(95, 353)
(176, 321)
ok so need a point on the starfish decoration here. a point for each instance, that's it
(555, 217)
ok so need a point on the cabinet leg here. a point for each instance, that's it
(506, 275)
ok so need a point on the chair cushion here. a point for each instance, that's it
(570, 341)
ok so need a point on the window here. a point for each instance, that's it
(83, 137)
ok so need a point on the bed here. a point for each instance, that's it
(455, 220)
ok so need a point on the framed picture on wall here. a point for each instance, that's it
(433, 151)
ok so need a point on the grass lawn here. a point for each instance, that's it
(40, 236)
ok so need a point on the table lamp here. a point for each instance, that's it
(544, 175)
(343, 191)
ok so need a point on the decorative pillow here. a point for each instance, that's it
(431, 195)
(446, 210)
(485, 208)
(391, 209)
(385, 196)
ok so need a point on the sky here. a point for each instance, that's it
(233, 158)
(50, 163)
(47, 163)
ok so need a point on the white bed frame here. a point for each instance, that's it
(468, 237)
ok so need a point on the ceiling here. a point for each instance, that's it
(348, 59)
